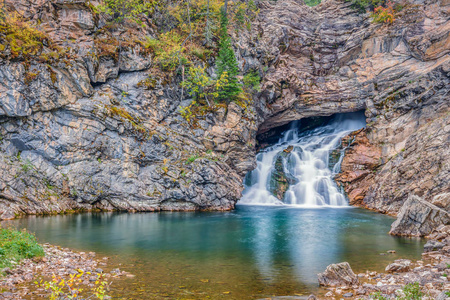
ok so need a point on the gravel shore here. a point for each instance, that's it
(19, 282)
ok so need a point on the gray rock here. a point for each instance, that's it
(442, 201)
(7, 271)
(8, 295)
(442, 296)
(433, 245)
(338, 275)
(347, 295)
(399, 265)
(361, 291)
(418, 218)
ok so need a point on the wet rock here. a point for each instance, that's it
(338, 275)
(362, 153)
(288, 149)
(280, 181)
(418, 218)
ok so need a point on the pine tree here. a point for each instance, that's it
(227, 67)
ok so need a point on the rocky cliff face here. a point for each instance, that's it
(96, 130)
(330, 59)
(100, 131)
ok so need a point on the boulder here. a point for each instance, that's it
(338, 275)
(418, 218)
(433, 245)
(399, 265)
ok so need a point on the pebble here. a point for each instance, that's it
(347, 295)
(361, 291)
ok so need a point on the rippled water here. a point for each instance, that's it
(249, 253)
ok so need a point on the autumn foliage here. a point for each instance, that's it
(384, 14)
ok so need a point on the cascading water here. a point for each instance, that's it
(300, 164)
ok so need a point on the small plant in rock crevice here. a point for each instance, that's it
(385, 14)
(192, 158)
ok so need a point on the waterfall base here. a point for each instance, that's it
(298, 169)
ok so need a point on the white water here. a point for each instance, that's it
(307, 165)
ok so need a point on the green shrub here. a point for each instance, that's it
(412, 292)
(227, 66)
(378, 296)
(312, 2)
(22, 38)
(363, 5)
(252, 81)
(192, 158)
(122, 10)
(16, 245)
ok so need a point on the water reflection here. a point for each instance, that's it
(253, 251)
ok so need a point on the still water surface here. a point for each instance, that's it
(250, 253)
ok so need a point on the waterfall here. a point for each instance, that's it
(297, 170)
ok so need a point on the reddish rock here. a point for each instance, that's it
(360, 160)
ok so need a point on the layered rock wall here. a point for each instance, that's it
(331, 59)
(102, 130)
(99, 129)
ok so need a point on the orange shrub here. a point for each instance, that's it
(384, 14)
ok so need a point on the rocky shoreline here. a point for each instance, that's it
(61, 262)
(430, 273)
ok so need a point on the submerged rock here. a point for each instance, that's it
(418, 218)
(338, 275)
